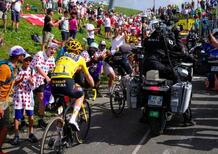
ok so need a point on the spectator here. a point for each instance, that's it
(47, 36)
(99, 24)
(205, 25)
(73, 25)
(43, 62)
(107, 25)
(65, 26)
(24, 83)
(7, 72)
(55, 5)
(60, 2)
(133, 38)
(49, 4)
(107, 69)
(213, 40)
(15, 14)
(118, 39)
(66, 5)
(44, 5)
(90, 31)
(3, 9)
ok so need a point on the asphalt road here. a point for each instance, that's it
(126, 135)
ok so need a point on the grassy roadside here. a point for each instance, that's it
(23, 36)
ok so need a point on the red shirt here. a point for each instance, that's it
(112, 21)
(99, 22)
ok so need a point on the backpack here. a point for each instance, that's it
(11, 68)
(35, 37)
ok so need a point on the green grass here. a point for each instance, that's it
(23, 36)
(126, 11)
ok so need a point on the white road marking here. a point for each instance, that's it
(141, 142)
(34, 147)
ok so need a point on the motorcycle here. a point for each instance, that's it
(165, 99)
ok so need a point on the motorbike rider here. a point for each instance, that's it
(164, 56)
(160, 57)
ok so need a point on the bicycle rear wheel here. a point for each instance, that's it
(84, 121)
(51, 139)
(117, 100)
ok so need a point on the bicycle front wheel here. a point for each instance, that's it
(84, 121)
(117, 100)
(51, 139)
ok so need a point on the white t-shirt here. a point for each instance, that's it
(17, 6)
(65, 24)
(107, 22)
(65, 2)
(117, 42)
(91, 34)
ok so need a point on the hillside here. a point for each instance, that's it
(23, 36)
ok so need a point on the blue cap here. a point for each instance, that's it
(16, 51)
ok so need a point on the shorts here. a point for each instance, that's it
(15, 16)
(64, 35)
(108, 69)
(107, 29)
(19, 113)
(47, 37)
(40, 89)
(66, 86)
(73, 33)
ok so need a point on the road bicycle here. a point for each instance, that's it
(58, 134)
(118, 96)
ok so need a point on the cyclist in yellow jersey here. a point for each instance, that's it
(62, 77)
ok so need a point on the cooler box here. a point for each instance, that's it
(180, 97)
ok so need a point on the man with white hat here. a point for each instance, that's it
(7, 73)
(43, 62)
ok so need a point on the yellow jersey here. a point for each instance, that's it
(67, 65)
